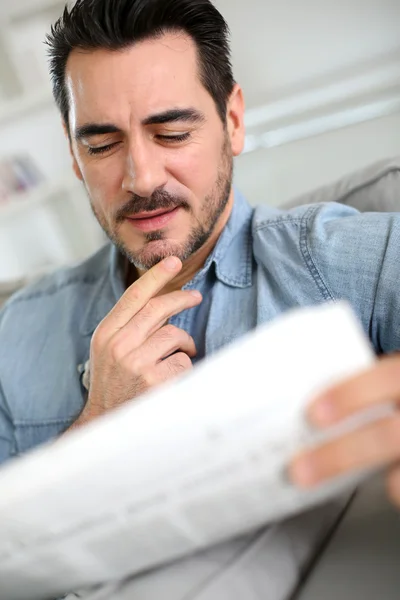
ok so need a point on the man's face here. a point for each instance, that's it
(150, 147)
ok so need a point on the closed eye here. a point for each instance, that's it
(101, 149)
(170, 139)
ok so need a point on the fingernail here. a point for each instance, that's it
(323, 412)
(172, 263)
(304, 472)
(196, 294)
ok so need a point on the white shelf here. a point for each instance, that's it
(12, 110)
(52, 224)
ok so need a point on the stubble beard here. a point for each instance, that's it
(212, 209)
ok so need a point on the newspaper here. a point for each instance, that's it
(189, 465)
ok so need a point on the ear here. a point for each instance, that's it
(75, 165)
(235, 120)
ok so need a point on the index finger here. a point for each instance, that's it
(141, 291)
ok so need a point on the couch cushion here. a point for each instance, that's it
(8, 288)
(375, 188)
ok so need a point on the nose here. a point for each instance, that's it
(144, 170)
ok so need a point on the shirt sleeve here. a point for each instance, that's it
(8, 446)
(7, 437)
(356, 257)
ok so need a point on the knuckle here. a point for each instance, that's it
(169, 332)
(152, 305)
(131, 302)
(150, 310)
(188, 338)
(114, 353)
(99, 338)
(134, 294)
(149, 379)
(130, 365)
(137, 366)
(116, 349)
(180, 362)
(133, 364)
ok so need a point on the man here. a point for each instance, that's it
(154, 119)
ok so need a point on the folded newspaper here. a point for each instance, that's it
(189, 465)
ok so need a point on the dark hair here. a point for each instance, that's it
(118, 24)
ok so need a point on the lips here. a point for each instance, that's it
(154, 220)
(152, 214)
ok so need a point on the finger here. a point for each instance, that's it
(166, 341)
(380, 384)
(393, 485)
(370, 447)
(140, 292)
(171, 367)
(150, 319)
(158, 310)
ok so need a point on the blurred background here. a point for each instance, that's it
(322, 84)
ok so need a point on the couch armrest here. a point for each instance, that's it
(373, 189)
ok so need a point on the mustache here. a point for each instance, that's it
(160, 199)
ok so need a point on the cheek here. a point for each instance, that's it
(103, 179)
(196, 167)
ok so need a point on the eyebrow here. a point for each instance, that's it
(91, 129)
(187, 115)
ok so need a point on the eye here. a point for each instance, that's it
(101, 149)
(171, 139)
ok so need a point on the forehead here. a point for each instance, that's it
(147, 77)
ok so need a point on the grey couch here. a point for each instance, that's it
(372, 189)
(7, 288)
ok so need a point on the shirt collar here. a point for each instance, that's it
(233, 254)
(232, 258)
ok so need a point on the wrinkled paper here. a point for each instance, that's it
(189, 465)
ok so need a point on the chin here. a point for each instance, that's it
(154, 252)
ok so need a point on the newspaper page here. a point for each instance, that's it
(189, 465)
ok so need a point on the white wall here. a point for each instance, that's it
(299, 62)
(282, 173)
(280, 46)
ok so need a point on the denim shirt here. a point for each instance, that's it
(266, 261)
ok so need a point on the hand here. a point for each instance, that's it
(133, 350)
(375, 445)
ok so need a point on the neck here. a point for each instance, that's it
(196, 262)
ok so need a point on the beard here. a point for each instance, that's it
(211, 210)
